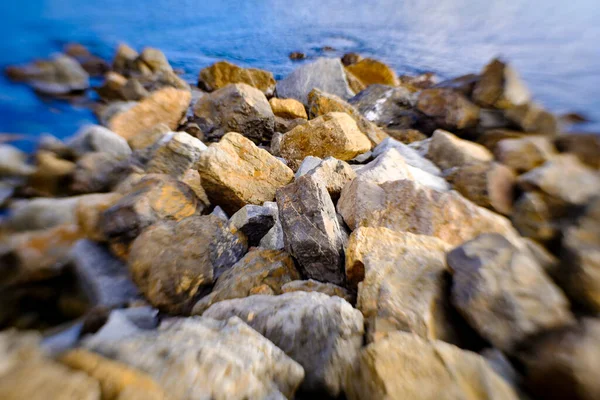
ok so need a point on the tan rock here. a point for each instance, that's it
(491, 137)
(355, 84)
(311, 285)
(111, 88)
(88, 213)
(288, 108)
(177, 155)
(500, 86)
(533, 216)
(52, 174)
(223, 73)
(533, 118)
(155, 59)
(334, 173)
(235, 172)
(406, 136)
(124, 59)
(148, 137)
(370, 71)
(586, 146)
(447, 151)
(191, 177)
(448, 108)
(351, 58)
(524, 154)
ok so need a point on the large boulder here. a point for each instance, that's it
(223, 73)
(447, 151)
(448, 108)
(387, 106)
(499, 86)
(370, 71)
(322, 333)
(95, 138)
(524, 154)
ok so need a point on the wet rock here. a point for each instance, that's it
(13, 162)
(223, 73)
(524, 154)
(504, 293)
(351, 58)
(387, 106)
(52, 175)
(448, 108)
(88, 211)
(254, 221)
(533, 216)
(533, 118)
(166, 106)
(260, 271)
(235, 172)
(322, 333)
(447, 151)
(586, 146)
(235, 108)
(370, 71)
(500, 86)
(201, 358)
(334, 134)
(95, 138)
(124, 59)
(335, 174)
(288, 108)
(405, 366)
(174, 262)
(311, 231)
(93, 65)
(133, 90)
(326, 74)
(410, 155)
(176, 156)
(311, 285)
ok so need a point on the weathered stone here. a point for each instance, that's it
(447, 151)
(235, 108)
(95, 138)
(586, 146)
(264, 270)
(308, 164)
(405, 366)
(421, 81)
(155, 59)
(191, 177)
(533, 118)
(351, 58)
(370, 71)
(322, 333)
(235, 172)
(254, 221)
(223, 73)
(88, 211)
(533, 217)
(176, 156)
(311, 285)
(503, 292)
(463, 84)
(166, 106)
(174, 262)
(13, 162)
(105, 112)
(133, 90)
(288, 108)
(500, 86)
(124, 59)
(524, 154)
(387, 106)
(491, 118)
(406, 136)
(148, 137)
(448, 108)
(97, 172)
(410, 155)
(52, 175)
(333, 173)
(274, 238)
(326, 74)
(490, 138)
(285, 125)
(201, 358)
(311, 231)
(93, 65)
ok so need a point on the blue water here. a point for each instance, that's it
(553, 43)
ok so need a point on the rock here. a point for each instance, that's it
(491, 118)
(274, 238)
(167, 105)
(149, 137)
(111, 88)
(288, 108)
(235, 172)
(500, 86)
(504, 293)
(335, 174)
(155, 59)
(124, 59)
(93, 65)
(585, 146)
(564, 178)
(260, 270)
(95, 138)
(235, 108)
(410, 155)
(533, 217)
(103, 278)
(487, 184)
(308, 164)
(533, 118)
(311, 231)
(285, 125)
(447, 151)
(448, 108)
(387, 106)
(254, 222)
(370, 71)
(524, 154)
(176, 156)
(351, 58)
(52, 175)
(463, 84)
(326, 74)
(406, 136)
(88, 211)
(222, 73)
(13, 162)
(490, 138)
(296, 55)
(201, 358)
(405, 205)
(174, 262)
(334, 134)
(421, 81)
(322, 333)
(133, 90)
(106, 112)
(98, 172)
(191, 177)
(405, 366)
(311, 285)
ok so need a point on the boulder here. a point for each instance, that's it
(491, 137)
(334, 134)
(447, 151)
(155, 60)
(326, 74)
(235, 172)
(499, 86)
(533, 118)
(93, 65)
(133, 90)
(322, 333)
(95, 138)
(387, 106)
(308, 164)
(524, 154)
(98, 172)
(463, 84)
(191, 177)
(223, 73)
(52, 175)
(111, 88)
(88, 211)
(235, 108)
(287, 108)
(448, 108)
(311, 285)
(370, 71)
(274, 238)
(173, 263)
(351, 58)
(534, 217)
(105, 112)
(260, 271)
(203, 358)
(334, 173)
(176, 156)
(254, 222)
(124, 59)
(311, 231)
(406, 136)
(503, 292)
(410, 155)
(586, 146)
(13, 162)
(285, 125)
(149, 137)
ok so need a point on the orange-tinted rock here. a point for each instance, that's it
(223, 73)
(370, 71)
(288, 108)
(88, 213)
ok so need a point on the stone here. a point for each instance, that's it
(93, 65)
(406, 136)
(288, 108)
(173, 262)
(235, 108)
(491, 137)
(124, 59)
(533, 118)
(285, 125)
(421, 81)
(260, 269)
(586, 146)
(334, 134)
(463, 84)
(405, 205)
(533, 216)
(491, 118)
(176, 156)
(499, 86)
(149, 137)
(223, 73)
(387, 106)
(95, 138)
(355, 84)
(322, 333)
(487, 184)
(133, 90)
(52, 175)
(326, 74)
(370, 71)
(235, 172)
(155, 59)
(97, 172)
(297, 55)
(191, 177)
(524, 154)
(410, 155)
(334, 173)
(111, 88)
(311, 231)
(308, 164)
(311, 285)
(274, 238)
(167, 105)
(105, 112)
(89, 210)
(447, 151)
(351, 58)
(405, 366)
(503, 292)
(448, 108)
(254, 222)
(13, 162)
(202, 358)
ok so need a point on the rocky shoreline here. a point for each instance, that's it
(341, 233)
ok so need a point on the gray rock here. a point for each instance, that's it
(411, 156)
(322, 333)
(95, 138)
(254, 221)
(116, 107)
(218, 211)
(334, 174)
(308, 164)
(274, 238)
(387, 106)
(179, 152)
(13, 162)
(41, 213)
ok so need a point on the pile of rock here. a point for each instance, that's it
(341, 232)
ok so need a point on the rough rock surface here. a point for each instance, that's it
(98, 172)
(524, 154)
(176, 156)
(288, 108)
(533, 216)
(91, 138)
(311, 285)
(387, 106)
(447, 151)
(533, 118)
(370, 71)
(223, 73)
(410, 155)
(499, 86)
(88, 211)
(586, 146)
(334, 173)
(52, 175)
(254, 221)
(448, 108)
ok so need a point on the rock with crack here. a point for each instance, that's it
(223, 73)
(95, 138)
(370, 71)
(449, 109)
(176, 156)
(311, 285)
(447, 151)
(254, 221)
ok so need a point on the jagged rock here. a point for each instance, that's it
(88, 211)
(52, 175)
(149, 137)
(334, 134)
(223, 73)
(97, 172)
(447, 151)
(387, 106)
(586, 146)
(167, 105)
(500, 86)
(322, 333)
(235, 172)
(533, 118)
(524, 154)
(487, 184)
(326, 74)
(254, 221)
(274, 238)
(533, 216)
(155, 59)
(176, 156)
(235, 108)
(405, 366)
(351, 58)
(260, 271)
(370, 71)
(174, 262)
(448, 108)
(330, 171)
(504, 293)
(201, 358)
(288, 108)
(308, 164)
(405, 205)
(191, 177)
(410, 155)
(311, 285)
(311, 231)
(95, 138)
(13, 162)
